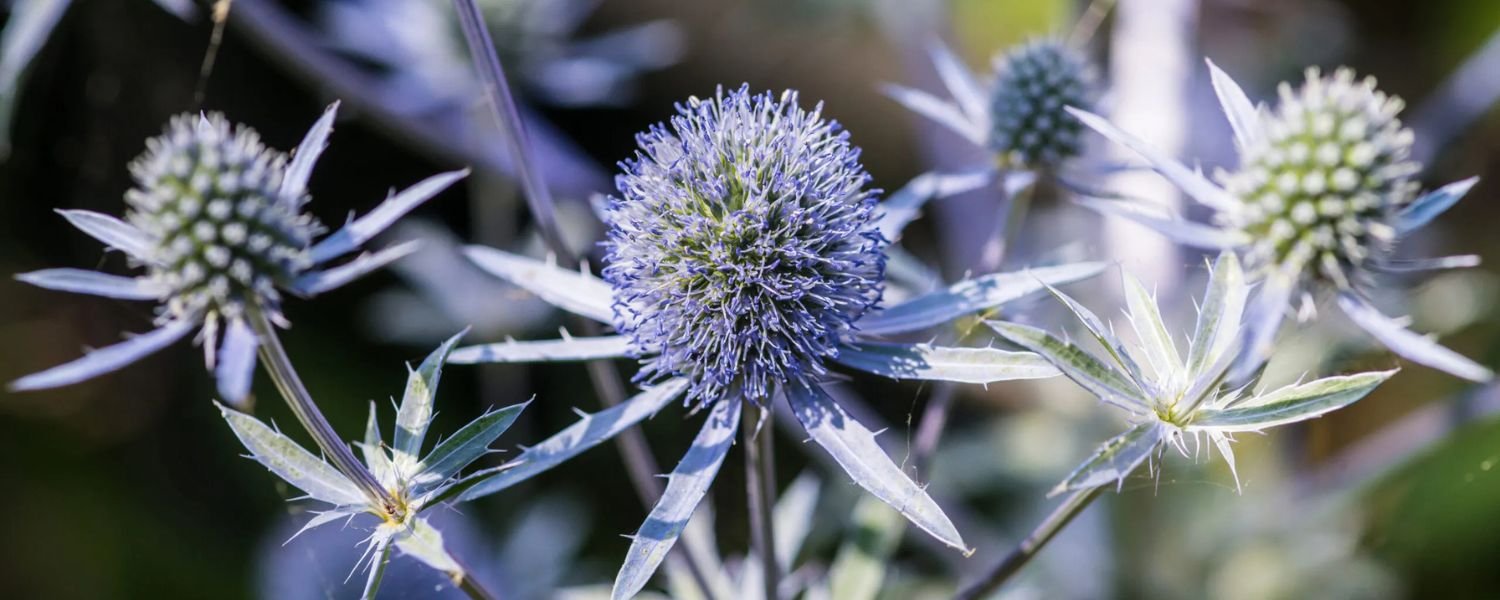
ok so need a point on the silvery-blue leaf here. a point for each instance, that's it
(971, 296)
(575, 292)
(106, 359)
(944, 113)
(317, 282)
(793, 517)
(463, 447)
(967, 92)
(1145, 319)
(420, 540)
(570, 349)
(294, 183)
(1414, 347)
(354, 234)
(31, 23)
(854, 448)
(1078, 364)
(1115, 460)
(1291, 404)
(588, 432)
(1219, 317)
(902, 207)
(235, 367)
(1243, 117)
(1177, 229)
(289, 461)
(415, 413)
(941, 363)
(1426, 208)
(1263, 316)
(1104, 334)
(909, 271)
(81, 281)
(1194, 184)
(686, 487)
(113, 232)
(1415, 265)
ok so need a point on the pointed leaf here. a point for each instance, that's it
(1177, 229)
(940, 363)
(113, 232)
(1145, 319)
(289, 461)
(235, 368)
(971, 98)
(1415, 265)
(377, 571)
(420, 540)
(94, 283)
(943, 112)
(1194, 184)
(1242, 115)
(1426, 208)
(578, 293)
(572, 441)
(1292, 403)
(1078, 364)
(30, 25)
(466, 446)
(855, 449)
(1219, 317)
(902, 207)
(1116, 459)
(317, 282)
(1413, 347)
(967, 297)
(106, 359)
(294, 183)
(571, 349)
(686, 487)
(354, 234)
(373, 450)
(1104, 335)
(415, 413)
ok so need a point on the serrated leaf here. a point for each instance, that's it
(373, 450)
(289, 461)
(299, 170)
(1116, 459)
(1426, 208)
(941, 363)
(1145, 319)
(1104, 335)
(686, 487)
(1413, 347)
(415, 413)
(854, 448)
(1077, 364)
(1291, 404)
(1219, 318)
(971, 296)
(573, 440)
(420, 540)
(575, 292)
(571, 349)
(463, 447)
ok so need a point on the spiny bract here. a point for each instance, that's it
(208, 195)
(1033, 84)
(1322, 184)
(743, 245)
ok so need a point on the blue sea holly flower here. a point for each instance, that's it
(1324, 190)
(216, 220)
(746, 256)
(1170, 397)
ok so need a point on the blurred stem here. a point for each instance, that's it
(760, 485)
(467, 583)
(1029, 547)
(377, 573)
(279, 365)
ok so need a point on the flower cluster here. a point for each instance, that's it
(743, 245)
(1033, 83)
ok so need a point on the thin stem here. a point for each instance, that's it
(760, 486)
(1028, 548)
(467, 583)
(279, 365)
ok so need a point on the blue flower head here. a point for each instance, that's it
(743, 245)
(1033, 83)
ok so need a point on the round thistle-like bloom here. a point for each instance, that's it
(743, 245)
(1033, 84)
(208, 195)
(1323, 182)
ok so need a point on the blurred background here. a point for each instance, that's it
(130, 485)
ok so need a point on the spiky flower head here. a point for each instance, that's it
(742, 246)
(209, 196)
(1034, 82)
(1323, 183)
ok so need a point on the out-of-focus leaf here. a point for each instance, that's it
(571, 349)
(859, 567)
(465, 446)
(1078, 364)
(31, 23)
(966, 91)
(93, 283)
(1178, 230)
(354, 234)
(854, 448)
(1292, 403)
(941, 111)
(793, 517)
(1395, 265)
(1193, 183)
(1426, 208)
(415, 413)
(902, 207)
(1116, 459)
(1244, 119)
(235, 368)
(106, 359)
(317, 282)
(113, 232)
(578, 293)
(1413, 347)
(294, 183)
(971, 296)
(318, 479)
(685, 489)
(941, 363)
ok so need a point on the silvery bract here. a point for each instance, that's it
(1323, 191)
(416, 481)
(217, 221)
(746, 254)
(1169, 396)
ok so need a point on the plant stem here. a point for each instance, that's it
(760, 486)
(1028, 548)
(467, 583)
(279, 365)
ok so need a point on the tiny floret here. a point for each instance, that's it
(1034, 82)
(743, 244)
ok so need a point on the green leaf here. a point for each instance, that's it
(940, 363)
(1291, 404)
(859, 568)
(1080, 366)
(415, 414)
(464, 447)
(1116, 459)
(318, 479)
(1105, 336)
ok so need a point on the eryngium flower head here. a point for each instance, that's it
(1323, 183)
(208, 196)
(1033, 83)
(743, 244)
